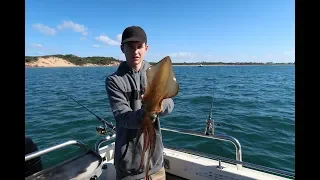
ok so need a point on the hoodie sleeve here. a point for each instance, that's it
(123, 114)
(167, 107)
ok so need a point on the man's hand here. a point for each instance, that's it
(142, 95)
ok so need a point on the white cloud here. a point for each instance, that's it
(74, 26)
(44, 29)
(95, 46)
(83, 38)
(36, 45)
(106, 40)
(182, 55)
(119, 37)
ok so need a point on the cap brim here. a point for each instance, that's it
(134, 39)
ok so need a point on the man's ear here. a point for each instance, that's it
(147, 47)
(121, 47)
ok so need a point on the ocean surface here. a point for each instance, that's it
(255, 104)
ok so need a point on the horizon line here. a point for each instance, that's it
(199, 62)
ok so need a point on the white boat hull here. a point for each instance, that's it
(188, 166)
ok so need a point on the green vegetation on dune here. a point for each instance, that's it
(98, 60)
(30, 58)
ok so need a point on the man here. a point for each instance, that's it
(125, 89)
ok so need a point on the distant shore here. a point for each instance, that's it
(114, 65)
(75, 61)
(282, 64)
(37, 66)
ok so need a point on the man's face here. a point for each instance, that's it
(134, 52)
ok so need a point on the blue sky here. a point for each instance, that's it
(188, 31)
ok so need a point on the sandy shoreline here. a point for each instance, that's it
(75, 66)
(58, 62)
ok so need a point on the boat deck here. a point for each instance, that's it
(182, 166)
(110, 172)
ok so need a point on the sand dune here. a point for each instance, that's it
(57, 62)
(50, 62)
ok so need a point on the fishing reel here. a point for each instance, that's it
(101, 130)
(210, 127)
(209, 130)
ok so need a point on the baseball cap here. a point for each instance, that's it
(134, 33)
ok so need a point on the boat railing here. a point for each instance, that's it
(238, 161)
(106, 139)
(231, 139)
(56, 147)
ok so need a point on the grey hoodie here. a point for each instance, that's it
(124, 89)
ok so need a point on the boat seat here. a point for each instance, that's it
(85, 166)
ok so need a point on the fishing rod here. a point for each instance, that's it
(210, 122)
(101, 130)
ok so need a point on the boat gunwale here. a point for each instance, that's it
(284, 173)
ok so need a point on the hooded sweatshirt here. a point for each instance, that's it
(124, 89)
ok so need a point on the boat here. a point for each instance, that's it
(180, 164)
